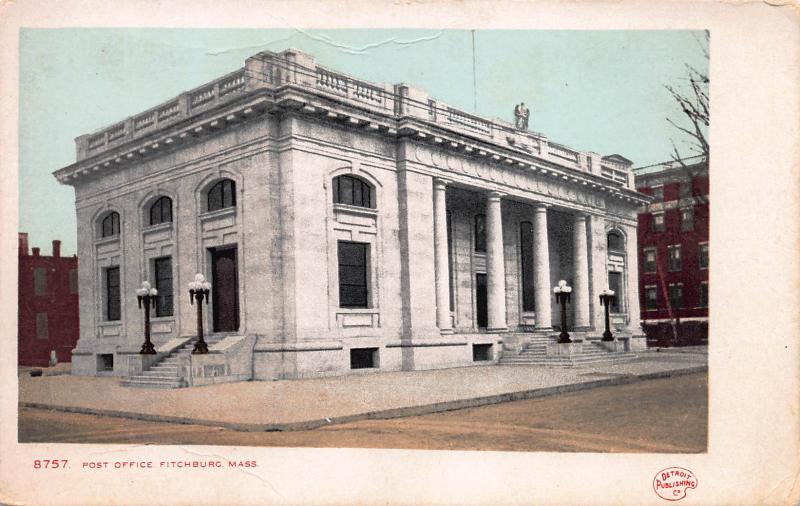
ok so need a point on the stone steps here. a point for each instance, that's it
(143, 382)
(535, 353)
(166, 372)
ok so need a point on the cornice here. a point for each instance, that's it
(291, 100)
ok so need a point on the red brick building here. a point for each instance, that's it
(673, 251)
(48, 305)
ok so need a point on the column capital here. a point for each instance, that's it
(495, 195)
(580, 216)
(440, 183)
(541, 206)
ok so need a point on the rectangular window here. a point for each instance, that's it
(674, 258)
(480, 233)
(658, 222)
(163, 275)
(112, 294)
(39, 281)
(615, 283)
(481, 352)
(650, 297)
(363, 358)
(105, 362)
(703, 261)
(676, 295)
(687, 219)
(73, 281)
(658, 193)
(703, 294)
(649, 260)
(450, 262)
(42, 332)
(352, 274)
(526, 261)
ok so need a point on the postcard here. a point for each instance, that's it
(399, 253)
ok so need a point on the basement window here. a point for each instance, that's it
(481, 352)
(105, 362)
(363, 358)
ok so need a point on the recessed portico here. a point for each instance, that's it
(485, 230)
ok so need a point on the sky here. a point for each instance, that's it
(600, 91)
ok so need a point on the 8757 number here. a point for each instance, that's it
(50, 464)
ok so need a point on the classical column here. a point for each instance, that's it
(541, 269)
(441, 260)
(495, 264)
(580, 268)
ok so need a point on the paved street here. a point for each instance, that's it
(315, 402)
(662, 415)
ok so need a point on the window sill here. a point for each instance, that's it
(219, 212)
(106, 240)
(365, 211)
(157, 227)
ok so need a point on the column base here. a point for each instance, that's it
(498, 330)
(542, 329)
(446, 331)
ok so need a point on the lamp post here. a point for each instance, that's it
(606, 299)
(148, 296)
(563, 292)
(199, 289)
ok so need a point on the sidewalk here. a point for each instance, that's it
(311, 403)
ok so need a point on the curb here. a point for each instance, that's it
(423, 409)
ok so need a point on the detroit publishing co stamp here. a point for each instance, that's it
(673, 482)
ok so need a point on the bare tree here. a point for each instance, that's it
(694, 104)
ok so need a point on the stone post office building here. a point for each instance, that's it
(343, 225)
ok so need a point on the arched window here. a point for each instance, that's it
(615, 242)
(222, 195)
(161, 211)
(110, 225)
(352, 191)
(480, 233)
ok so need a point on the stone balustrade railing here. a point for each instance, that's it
(185, 105)
(272, 70)
(618, 175)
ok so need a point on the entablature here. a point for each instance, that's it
(292, 82)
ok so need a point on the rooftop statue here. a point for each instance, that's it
(521, 115)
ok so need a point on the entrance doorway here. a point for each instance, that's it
(480, 301)
(615, 283)
(225, 289)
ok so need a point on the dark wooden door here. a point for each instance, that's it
(480, 300)
(225, 290)
(615, 283)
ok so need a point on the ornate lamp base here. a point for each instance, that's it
(148, 349)
(607, 336)
(563, 338)
(200, 347)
